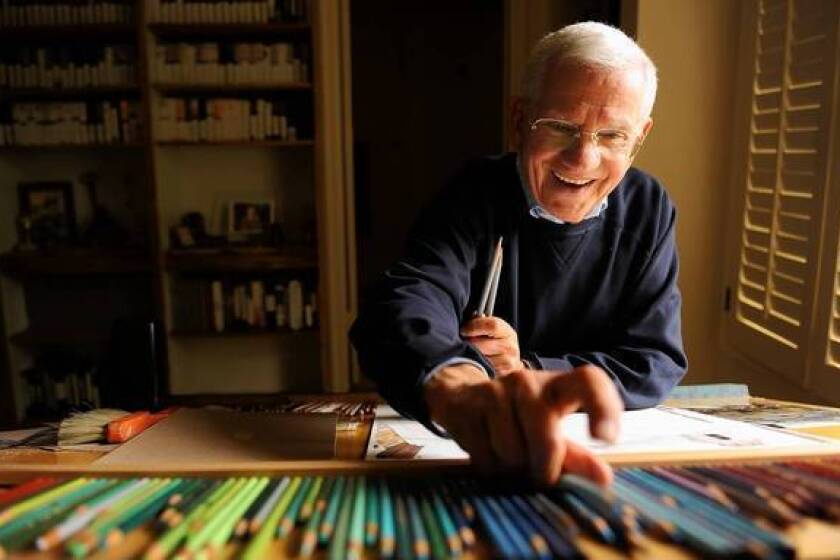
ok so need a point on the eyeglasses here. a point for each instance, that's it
(563, 134)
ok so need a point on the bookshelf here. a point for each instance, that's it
(211, 107)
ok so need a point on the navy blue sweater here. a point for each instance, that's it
(603, 291)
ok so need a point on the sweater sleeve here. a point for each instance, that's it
(643, 352)
(410, 323)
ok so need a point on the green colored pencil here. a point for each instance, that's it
(256, 549)
(437, 540)
(225, 528)
(169, 541)
(34, 502)
(308, 505)
(216, 517)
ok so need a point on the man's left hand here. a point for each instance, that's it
(496, 340)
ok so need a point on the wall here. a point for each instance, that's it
(695, 46)
(692, 43)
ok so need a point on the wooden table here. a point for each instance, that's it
(812, 539)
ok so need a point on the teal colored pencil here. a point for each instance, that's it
(418, 531)
(402, 522)
(729, 522)
(309, 540)
(355, 540)
(140, 516)
(338, 544)
(287, 522)
(331, 513)
(387, 538)
(372, 513)
(450, 531)
(434, 530)
(456, 512)
(697, 536)
(173, 515)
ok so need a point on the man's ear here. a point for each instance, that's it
(518, 113)
(646, 128)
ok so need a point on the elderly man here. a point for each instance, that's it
(588, 310)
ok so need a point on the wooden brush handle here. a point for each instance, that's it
(125, 428)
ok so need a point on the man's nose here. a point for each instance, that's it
(583, 152)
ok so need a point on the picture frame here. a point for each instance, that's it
(249, 218)
(50, 210)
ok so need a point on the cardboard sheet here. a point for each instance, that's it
(202, 436)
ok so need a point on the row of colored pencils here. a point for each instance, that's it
(717, 511)
(320, 406)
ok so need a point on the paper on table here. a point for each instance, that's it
(654, 430)
(193, 436)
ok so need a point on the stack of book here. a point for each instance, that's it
(221, 63)
(239, 305)
(219, 119)
(19, 13)
(70, 66)
(227, 11)
(73, 123)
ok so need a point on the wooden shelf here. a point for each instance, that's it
(54, 337)
(75, 262)
(243, 143)
(237, 333)
(63, 92)
(131, 146)
(215, 29)
(240, 260)
(52, 33)
(221, 88)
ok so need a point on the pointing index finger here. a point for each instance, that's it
(590, 388)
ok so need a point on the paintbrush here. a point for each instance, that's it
(106, 425)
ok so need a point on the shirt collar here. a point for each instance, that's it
(541, 213)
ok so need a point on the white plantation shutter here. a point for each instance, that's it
(784, 180)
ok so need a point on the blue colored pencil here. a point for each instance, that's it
(558, 540)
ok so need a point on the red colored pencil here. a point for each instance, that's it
(26, 489)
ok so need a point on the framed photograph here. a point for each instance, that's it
(249, 218)
(50, 210)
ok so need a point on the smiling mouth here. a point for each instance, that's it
(570, 182)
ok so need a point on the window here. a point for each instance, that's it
(783, 285)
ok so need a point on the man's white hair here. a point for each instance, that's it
(593, 45)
